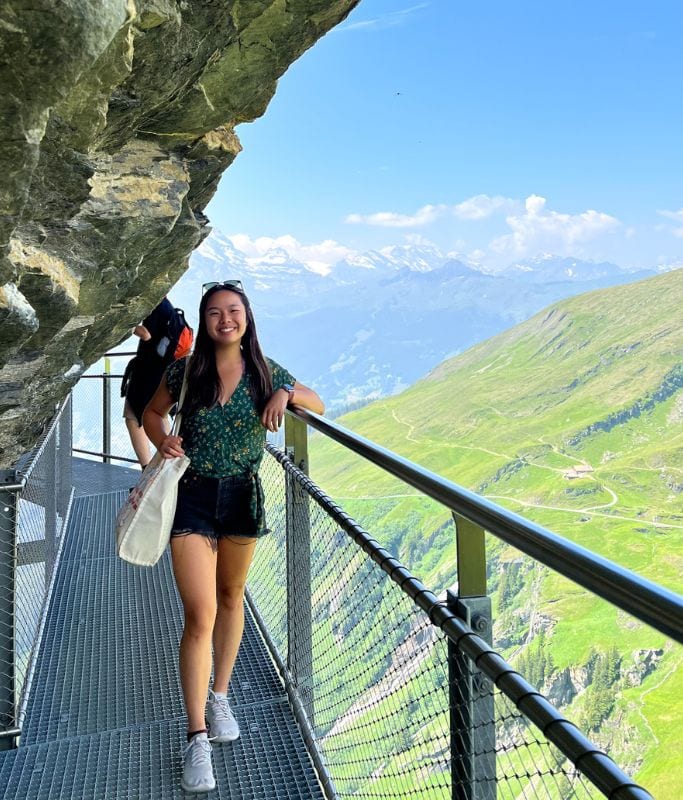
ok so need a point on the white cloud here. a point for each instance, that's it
(478, 207)
(481, 206)
(676, 216)
(537, 230)
(391, 219)
(389, 20)
(417, 239)
(319, 257)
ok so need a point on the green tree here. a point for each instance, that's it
(601, 694)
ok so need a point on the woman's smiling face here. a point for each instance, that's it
(225, 317)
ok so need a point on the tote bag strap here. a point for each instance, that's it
(178, 417)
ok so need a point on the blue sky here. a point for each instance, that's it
(494, 130)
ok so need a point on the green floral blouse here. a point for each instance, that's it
(224, 440)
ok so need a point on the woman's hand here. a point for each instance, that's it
(172, 447)
(274, 412)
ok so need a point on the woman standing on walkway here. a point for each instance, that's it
(234, 395)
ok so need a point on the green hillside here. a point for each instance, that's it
(575, 420)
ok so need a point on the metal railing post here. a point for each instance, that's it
(472, 714)
(64, 465)
(8, 571)
(51, 501)
(298, 548)
(106, 412)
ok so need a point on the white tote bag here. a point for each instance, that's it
(143, 525)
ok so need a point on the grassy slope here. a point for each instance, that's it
(506, 419)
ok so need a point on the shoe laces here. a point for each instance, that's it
(198, 751)
(222, 710)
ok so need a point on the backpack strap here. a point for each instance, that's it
(177, 422)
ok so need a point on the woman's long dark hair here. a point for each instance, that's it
(204, 385)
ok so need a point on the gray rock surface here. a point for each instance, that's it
(117, 122)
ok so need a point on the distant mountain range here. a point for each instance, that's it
(574, 419)
(380, 320)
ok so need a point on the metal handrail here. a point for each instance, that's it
(645, 600)
(594, 763)
(107, 376)
(109, 456)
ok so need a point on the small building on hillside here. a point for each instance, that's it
(578, 471)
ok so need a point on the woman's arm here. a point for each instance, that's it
(306, 398)
(274, 412)
(154, 422)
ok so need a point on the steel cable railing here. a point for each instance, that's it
(377, 685)
(396, 693)
(645, 600)
(35, 499)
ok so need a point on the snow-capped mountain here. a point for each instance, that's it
(547, 268)
(677, 264)
(275, 274)
(377, 321)
(217, 248)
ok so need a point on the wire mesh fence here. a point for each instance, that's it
(8, 699)
(383, 694)
(33, 518)
(385, 703)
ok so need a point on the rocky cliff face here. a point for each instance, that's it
(117, 122)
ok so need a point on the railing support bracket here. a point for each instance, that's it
(473, 730)
(298, 549)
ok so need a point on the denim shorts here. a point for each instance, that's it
(219, 507)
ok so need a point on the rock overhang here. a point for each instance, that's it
(118, 121)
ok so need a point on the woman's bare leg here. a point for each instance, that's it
(194, 566)
(234, 558)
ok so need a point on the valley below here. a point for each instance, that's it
(574, 420)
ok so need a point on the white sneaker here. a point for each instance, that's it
(197, 771)
(223, 726)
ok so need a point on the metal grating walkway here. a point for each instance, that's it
(105, 717)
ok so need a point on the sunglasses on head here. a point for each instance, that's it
(231, 284)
